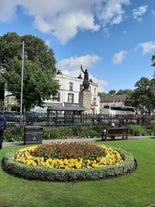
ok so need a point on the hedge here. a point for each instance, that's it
(44, 174)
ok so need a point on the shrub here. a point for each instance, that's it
(69, 132)
(150, 129)
(137, 130)
(14, 134)
(63, 175)
(10, 137)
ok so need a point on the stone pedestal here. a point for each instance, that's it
(85, 99)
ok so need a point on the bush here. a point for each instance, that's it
(69, 132)
(150, 129)
(57, 133)
(45, 174)
(14, 134)
(137, 130)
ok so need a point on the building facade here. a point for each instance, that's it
(67, 96)
(70, 88)
(112, 100)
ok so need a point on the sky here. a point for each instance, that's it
(113, 39)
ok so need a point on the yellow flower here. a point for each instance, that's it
(110, 157)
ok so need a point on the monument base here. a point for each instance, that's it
(85, 99)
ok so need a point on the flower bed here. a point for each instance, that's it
(68, 162)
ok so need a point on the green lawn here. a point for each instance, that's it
(133, 190)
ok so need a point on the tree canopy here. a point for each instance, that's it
(39, 68)
(153, 60)
(143, 97)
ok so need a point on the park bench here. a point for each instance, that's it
(115, 131)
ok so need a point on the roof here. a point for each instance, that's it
(61, 107)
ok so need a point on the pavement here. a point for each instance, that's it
(7, 144)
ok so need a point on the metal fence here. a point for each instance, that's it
(71, 119)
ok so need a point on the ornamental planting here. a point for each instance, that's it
(68, 156)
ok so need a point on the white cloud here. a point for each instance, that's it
(7, 10)
(112, 11)
(119, 57)
(139, 12)
(153, 12)
(101, 83)
(71, 66)
(64, 19)
(147, 47)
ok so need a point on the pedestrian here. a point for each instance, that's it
(2, 127)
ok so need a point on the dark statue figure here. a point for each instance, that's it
(86, 78)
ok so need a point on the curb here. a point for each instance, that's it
(7, 144)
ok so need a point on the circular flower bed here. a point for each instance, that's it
(68, 162)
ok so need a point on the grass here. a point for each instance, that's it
(133, 190)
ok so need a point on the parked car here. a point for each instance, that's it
(12, 116)
(31, 117)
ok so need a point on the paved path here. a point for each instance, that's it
(6, 144)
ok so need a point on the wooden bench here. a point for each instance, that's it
(115, 131)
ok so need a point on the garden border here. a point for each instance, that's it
(60, 175)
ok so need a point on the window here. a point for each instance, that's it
(95, 91)
(56, 97)
(94, 101)
(71, 98)
(70, 86)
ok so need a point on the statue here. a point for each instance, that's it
(86, 78)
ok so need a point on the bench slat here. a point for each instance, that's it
(121, 131)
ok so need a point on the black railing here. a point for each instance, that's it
(45, 119)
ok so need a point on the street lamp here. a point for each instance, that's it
(22, 74)
(2, 88)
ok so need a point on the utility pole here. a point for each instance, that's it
(22, 75)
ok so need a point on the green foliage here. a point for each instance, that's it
(14, 106)
(57, 133)
(10, 137)
(137, 130)
(112, 92)
(143, 97)
(150, 130)
(69, 132)
(45, 174)
(14, 134)
(133, 190)
(122, 92)
(39, 68)
(153, 60)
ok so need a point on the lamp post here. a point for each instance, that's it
(22, 74)
(2, 88)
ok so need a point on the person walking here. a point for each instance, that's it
(2, 127)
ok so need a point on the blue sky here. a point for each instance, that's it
(113, 39)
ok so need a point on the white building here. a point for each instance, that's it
(68, 95)
(69, 92)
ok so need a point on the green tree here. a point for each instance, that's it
(153, 60)
(112, 92)
(122, 92)
(129, 101)
(140, 98)
(39, 68)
